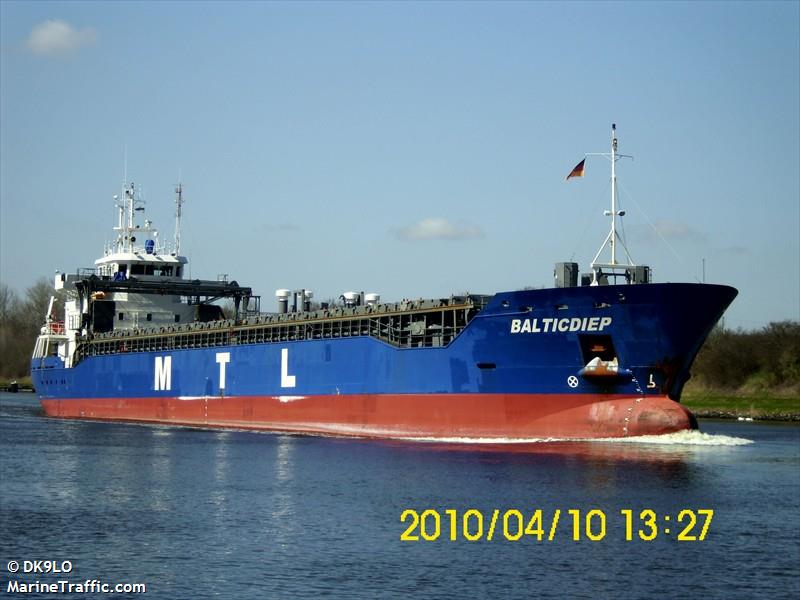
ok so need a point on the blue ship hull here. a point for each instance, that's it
(518, 369)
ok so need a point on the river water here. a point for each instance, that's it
(227, 514)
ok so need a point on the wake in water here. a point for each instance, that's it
(688, 438)
(679, 438)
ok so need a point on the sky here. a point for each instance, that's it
(413, 149)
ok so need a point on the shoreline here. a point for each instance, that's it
(767, 405)
(791, 417)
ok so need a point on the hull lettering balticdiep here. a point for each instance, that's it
(564, 325)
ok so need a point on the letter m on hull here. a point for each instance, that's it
(163, 373)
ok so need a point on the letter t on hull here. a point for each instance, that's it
(223, 358)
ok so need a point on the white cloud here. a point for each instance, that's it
(437, 228)
(288, 226)
(667, 229)
(58, 38)
(677, 230)
(736, 250)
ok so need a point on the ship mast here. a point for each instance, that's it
(126, 228)
(130, 195)
(614, 267)
(178, 204)
(125, 223)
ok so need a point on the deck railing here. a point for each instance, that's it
(419, 326)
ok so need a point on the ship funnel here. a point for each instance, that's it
(307, 296)
(283, 300)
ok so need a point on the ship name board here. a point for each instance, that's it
(555, 325)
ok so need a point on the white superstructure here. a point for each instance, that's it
(136, 254)
(137, 250)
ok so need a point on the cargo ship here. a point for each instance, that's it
(601, 354)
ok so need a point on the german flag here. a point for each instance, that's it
(578, 170)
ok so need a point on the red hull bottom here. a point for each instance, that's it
(437, 416)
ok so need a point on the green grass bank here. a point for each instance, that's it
(768, 405)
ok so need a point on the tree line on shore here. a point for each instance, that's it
(21, 319)
(764, 359)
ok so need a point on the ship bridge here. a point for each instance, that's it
(123, 265)
(138, 283)
(137, 250)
